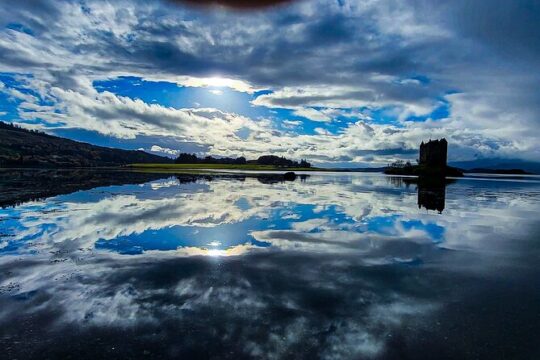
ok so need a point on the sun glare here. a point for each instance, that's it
(220, 82)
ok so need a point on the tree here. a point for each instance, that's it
(185, 158)
(304, 164)
(240, 161)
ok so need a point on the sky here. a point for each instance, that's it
(338, 82)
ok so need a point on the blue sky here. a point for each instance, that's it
(341, 83)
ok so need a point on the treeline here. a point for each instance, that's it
(278, 161)
(15, 127)
(185, 158)
(281, 161)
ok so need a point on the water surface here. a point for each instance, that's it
(330, 266)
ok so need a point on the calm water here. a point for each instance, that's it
(330, 266)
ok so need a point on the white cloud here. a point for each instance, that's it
(312, 114)
(302, 99)
(322, 131)
(291, 124)
(127, 118)
(159, 149)
(234, 84)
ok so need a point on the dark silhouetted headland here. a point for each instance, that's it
(28, 148)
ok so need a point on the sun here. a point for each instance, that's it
(219, 82)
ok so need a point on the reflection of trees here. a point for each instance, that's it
(262, 178)
(279, 178)
(397, 181)
(191, 178)
(18, 186)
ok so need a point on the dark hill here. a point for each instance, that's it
(27, 148)
(499, 171)
(499, 164)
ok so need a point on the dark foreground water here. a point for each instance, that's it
(329, 266)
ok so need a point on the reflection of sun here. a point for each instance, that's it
(216, 252)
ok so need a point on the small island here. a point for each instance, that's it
(431, 162)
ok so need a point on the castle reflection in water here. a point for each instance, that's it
(431, 194)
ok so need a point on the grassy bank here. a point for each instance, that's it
(173, 167)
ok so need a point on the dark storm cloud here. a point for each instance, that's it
(235, 4)
(271, 59)
(48, 11)
(509, 27)
(347, 44)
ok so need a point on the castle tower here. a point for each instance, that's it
(434, 153)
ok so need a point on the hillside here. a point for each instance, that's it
(25, 148)
(499, 171)
(496, 164)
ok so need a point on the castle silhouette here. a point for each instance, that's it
(431, 162)
(434, 153)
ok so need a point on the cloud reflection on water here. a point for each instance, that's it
(334, 267)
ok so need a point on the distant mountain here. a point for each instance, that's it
(27, 148)
(499, 164)
(499, 171)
